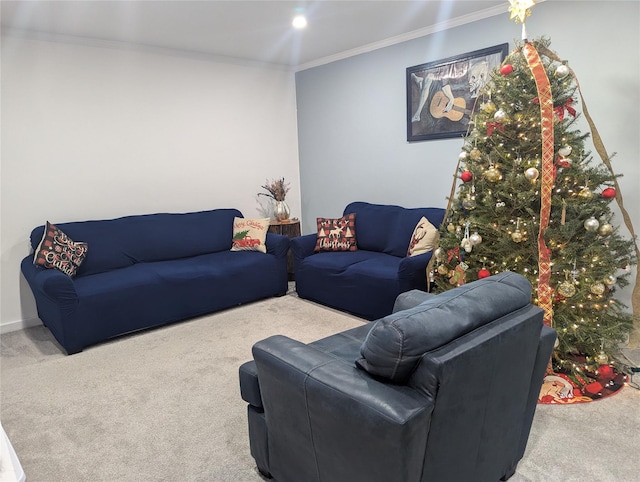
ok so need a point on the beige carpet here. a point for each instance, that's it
(164, 405)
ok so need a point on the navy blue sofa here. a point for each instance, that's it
(149, 270)
(365, 282)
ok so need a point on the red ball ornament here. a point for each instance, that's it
(483, 273)
(466, 176)
(609, 193)
(506, 69)
(593, 388)
(606, 372)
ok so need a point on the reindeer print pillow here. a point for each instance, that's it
(337, 234)
(423, 238)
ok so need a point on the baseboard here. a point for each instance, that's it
(19, 325)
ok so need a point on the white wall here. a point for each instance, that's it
(91, 132)
(352, 113)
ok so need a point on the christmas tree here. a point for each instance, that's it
(532, 199)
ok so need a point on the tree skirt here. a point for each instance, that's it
(562, 388)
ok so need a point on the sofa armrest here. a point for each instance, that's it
(277, 245)
(51, 283)
(412, 271)
(303, 246)
(316, 403)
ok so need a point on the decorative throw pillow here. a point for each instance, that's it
(423, 238)
(250, 234)
(56, 250)
(337, 234)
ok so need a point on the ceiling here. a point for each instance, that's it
(252, 31)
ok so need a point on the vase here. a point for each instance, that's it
(281, 211)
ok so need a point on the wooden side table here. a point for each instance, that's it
(291, 229)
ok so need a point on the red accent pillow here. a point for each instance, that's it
(58, 251)
(336, 234)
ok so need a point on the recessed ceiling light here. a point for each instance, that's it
(299, 21)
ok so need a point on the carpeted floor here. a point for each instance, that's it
(164, 405)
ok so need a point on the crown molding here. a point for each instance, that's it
(423, 32)
(136, 47)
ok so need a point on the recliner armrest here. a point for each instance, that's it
(303, 246)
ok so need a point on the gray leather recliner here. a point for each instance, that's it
(443, 389)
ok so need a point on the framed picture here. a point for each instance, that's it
(442, 95)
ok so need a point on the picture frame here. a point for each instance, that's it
(442, 95)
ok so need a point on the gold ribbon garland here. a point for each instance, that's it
(546, 127)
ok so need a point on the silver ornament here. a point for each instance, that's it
(562, 71)
(591, 224)
(475, 239)
(499, 115)
(565, 151)
(532, 174)
(462, 156)
(439, 254)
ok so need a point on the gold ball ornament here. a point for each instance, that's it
(591, 224)
(601, 358)
(488, 107)
(474, 154)
(566, 289)
(469, 203)
(451, 227)
(605, 229)
(585, 193)
(492, 174)
(610, 280)
(597, 289)
(442, 269)
(532, 174)
(517, 237)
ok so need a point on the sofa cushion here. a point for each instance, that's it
(423, 238)
(58, 251)
(250, 234)
(122, 242)
(396, 342)
(387, 228)
(336, 234)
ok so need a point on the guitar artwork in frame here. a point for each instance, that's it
(443, 95)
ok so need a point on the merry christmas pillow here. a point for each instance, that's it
(336, 234)
(423, 238)
(58, 251)
(250, 234)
